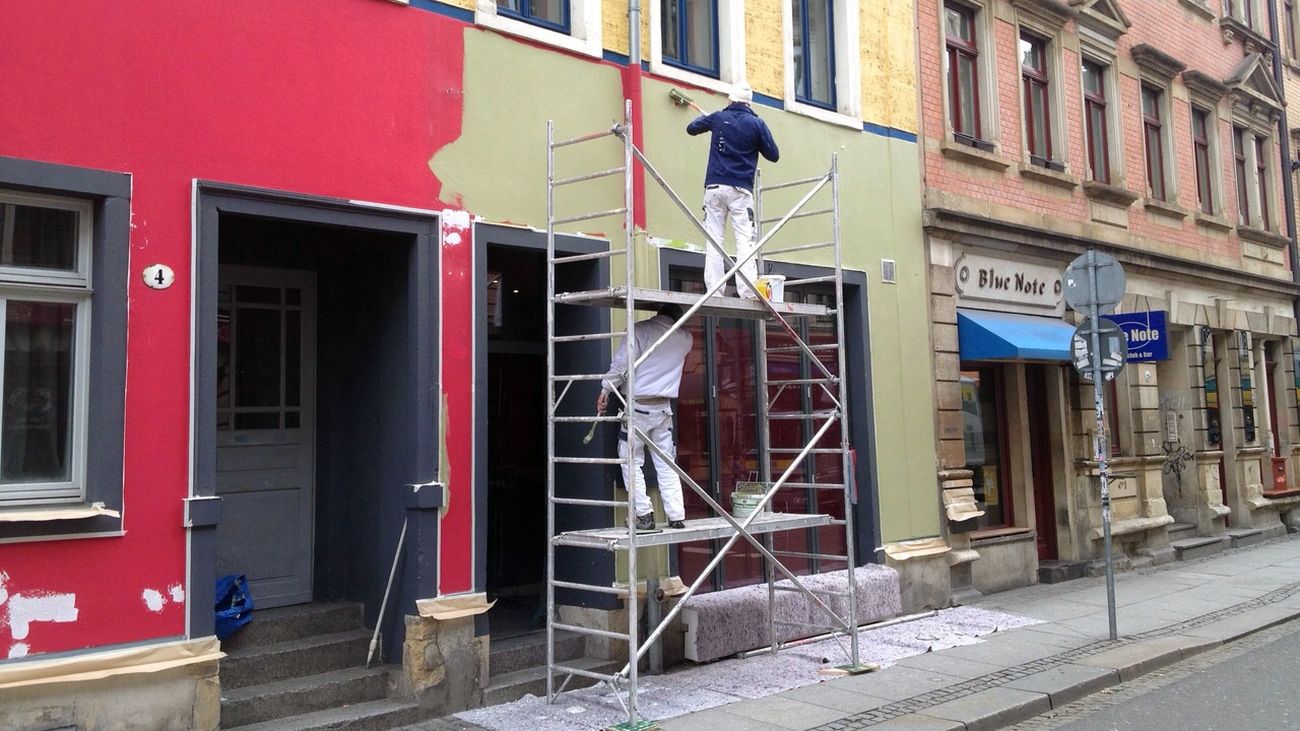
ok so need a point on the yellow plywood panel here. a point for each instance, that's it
(463, 4)
(765, 48)
(888, 43)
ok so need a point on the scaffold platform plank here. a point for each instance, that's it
(701, 529)
(650, 299)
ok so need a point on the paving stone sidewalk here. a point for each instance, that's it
(1165, 614)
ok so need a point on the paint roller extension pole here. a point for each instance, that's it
(392, 572)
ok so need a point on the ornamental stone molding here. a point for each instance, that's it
(1157, 63)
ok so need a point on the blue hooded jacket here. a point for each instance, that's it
(739, 135)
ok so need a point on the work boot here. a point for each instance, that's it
(645, 522)
(676, 524)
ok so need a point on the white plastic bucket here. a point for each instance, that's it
(772, 287)
(745, 498)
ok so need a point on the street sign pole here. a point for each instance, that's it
(1101, 444)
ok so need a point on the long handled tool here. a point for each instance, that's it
(374, 638)
(682, 100)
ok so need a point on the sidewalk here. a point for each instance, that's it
(1164, 615)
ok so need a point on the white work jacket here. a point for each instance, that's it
(661, 374)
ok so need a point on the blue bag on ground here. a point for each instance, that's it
(234, 607)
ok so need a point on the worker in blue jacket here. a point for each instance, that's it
(739, 135)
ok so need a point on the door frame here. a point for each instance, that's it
(202, 505)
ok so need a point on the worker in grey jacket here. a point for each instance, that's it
(657, 383)
(738, 137)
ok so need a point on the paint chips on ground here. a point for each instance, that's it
(698, 687)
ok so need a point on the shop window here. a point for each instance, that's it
(984, 432)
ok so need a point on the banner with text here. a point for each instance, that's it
(1147, 335)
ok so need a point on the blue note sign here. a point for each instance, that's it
(1148, 338)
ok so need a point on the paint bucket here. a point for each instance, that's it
(772, 287)
(745, 498)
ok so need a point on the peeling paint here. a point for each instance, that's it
(452, 238)
(153, 599)
(452, 218)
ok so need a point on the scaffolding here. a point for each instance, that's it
(818, 387)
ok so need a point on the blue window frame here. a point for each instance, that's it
(689, 31)
(552, 14)
(814, 52)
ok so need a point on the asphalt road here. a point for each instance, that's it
(1250, 685)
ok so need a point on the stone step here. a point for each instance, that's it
(282, 624)
(532, 681)
(1190, 548)
(370, 716)
(294, 658)
(295, 696)
(1180, 531)
(1246, 536)
(1056, 572)
(525, 651)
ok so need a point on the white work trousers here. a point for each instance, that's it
(658, 426)
(721, 201)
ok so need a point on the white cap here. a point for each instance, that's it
(741, 93)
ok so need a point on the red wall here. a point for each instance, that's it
(346, 98)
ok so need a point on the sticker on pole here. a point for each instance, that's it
(1111, 353)
(1080, 290)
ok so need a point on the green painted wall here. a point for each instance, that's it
(498, 169)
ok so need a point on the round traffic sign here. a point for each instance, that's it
(1078, 281)
(1111, 354)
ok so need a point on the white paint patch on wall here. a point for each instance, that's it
(454, 218)
(451, 238)
(153, 599)
(177, 593)
(19, 649)
(25, 609)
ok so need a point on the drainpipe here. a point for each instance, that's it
(1284, 146)
(634, 32)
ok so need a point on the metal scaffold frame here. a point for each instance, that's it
(814, 377)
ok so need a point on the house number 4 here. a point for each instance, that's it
(159, 276)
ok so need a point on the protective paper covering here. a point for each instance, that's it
(904, 550)
(453, 606)
(76, 512)
(99, 665)
(959, 504)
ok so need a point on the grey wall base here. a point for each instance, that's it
(1005, 564)
(181, 699)
(924, 582)
(446, 666)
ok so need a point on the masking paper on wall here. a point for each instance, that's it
(453, 606)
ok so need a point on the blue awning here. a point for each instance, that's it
(1004, 336)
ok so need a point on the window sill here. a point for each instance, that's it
(1263, 237)
(668, 71)
(1049, 176)
(1164, 208)
(824, 115)
(486, 16)
(973, 155)
(56, 512)
(1107, 193)
(1199, 7)
(1211, 221)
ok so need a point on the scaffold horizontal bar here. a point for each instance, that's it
(590, 336)
(589, 587)
(816, 485)
(810, 556)
(810, 590)
(590, 502)
(588, 460)
(815, 450)
(805, 214)
(804, 382)
(560, 378)
(589, 216)
(810, 280)
(586, 419)
(589, 176)
(590, 631)
(786, 415)
(588, 257)
(800, 247)
(579, 140)
(698, 529)
(650, 299)
(584, 673)
(798, 349)
(793, 183)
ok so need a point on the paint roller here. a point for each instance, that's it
(682, 100)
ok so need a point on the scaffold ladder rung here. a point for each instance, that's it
(787, 415)
(596, 588)
(570, 670)
(573, 258)
(589, 217)
(809, 280)
(572, 377)
(589, 502)
(814, 450)
(579, 140)
(804, 382)
(811, 556)
(589, 176)
(586, 338)
(800, 247)
(587, 419)
(579, 629)
(804, 214)
(797, 349)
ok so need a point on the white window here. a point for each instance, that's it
(45, 293)
(822, 69)
(570, 24)
(701, 42)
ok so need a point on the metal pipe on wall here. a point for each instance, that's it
(634, 32)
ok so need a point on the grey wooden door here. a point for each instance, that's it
(266, 334)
